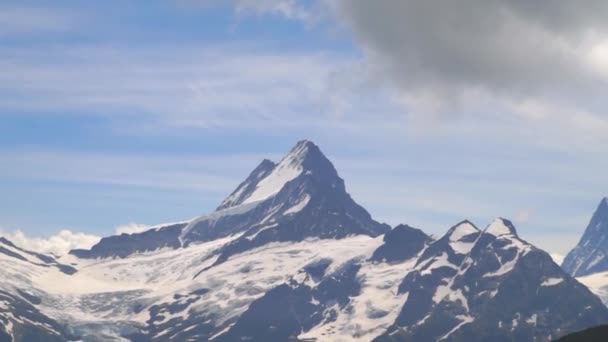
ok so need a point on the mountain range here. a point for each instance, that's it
(290, 256)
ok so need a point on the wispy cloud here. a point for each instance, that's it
(308, 12)
(184, 87)
(290, 9)
(200, 172)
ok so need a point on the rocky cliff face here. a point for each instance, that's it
(591, 254)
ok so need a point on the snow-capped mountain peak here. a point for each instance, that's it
(461, 230)
(300, 197)
(500, 227)
(266, 180)
(290, 167)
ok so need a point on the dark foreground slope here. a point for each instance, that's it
(597, 334)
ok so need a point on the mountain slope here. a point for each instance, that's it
(591, 254)
(597, 283)
(20, 320)
(121, 246)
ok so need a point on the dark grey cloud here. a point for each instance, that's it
(519, 47)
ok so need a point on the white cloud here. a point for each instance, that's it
(58, 244)
(131, 228)
(290, 9)
(469, 62)
(305, 11)
(469, 43)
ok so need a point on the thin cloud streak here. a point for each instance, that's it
(188, 86)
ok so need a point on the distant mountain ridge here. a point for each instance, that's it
(288, 256)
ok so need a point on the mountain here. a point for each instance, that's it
(490, 286)
(300, 197)
(591, 254)
(290, 256)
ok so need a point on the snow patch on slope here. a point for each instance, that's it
(435, 263)
(499, 228)
(598, 284)
(458, 233)
(288, 169)
(463, 320)
(216, 215)
(134, 228)
(462, 230)
(299, 206)
(552, 282)
(371, 312)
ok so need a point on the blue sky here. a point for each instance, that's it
(138, 113)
